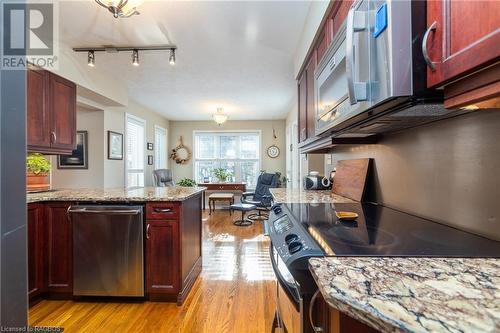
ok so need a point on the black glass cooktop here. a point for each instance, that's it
(381, 231)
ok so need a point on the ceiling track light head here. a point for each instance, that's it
(135, 57)
(171, 59)
(91, 58)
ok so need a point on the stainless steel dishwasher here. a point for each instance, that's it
(108, 255)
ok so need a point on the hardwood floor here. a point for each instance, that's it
(234, 293)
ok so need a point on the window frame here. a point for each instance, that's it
(156, 148)
(218, 159)
(127, 170)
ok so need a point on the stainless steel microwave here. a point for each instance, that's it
(374, 65)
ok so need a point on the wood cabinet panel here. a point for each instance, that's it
(162, 242)
(63, 113)
(456, 51)
(310, 98)
(38, 122)
(302, 107)
(36, 251)
(323, 41)
(162, 210)
(60, 248)
(338, 14)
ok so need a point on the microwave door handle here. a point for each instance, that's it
(349, 54)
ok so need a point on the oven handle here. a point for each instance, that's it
(287, 287)
(316, 329)
(356, 90)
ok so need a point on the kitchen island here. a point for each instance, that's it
(413, 294)
(172, 238)
(288, 195)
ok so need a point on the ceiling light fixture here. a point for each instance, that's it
(91, 59)
(121, 8)
(135, 58)
(171, 59)
(220, 117)
(134, 49)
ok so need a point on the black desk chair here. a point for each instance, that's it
(261, 198)
(163, 178)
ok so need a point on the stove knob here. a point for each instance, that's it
(294, 247)
(291, 238)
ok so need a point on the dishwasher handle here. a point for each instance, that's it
(77, 210)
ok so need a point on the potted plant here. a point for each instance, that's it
(37, 172)
(187, 182)
(222, 174)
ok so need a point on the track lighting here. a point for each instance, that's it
(91, 58)
(171, 59)
(135, 58)
(134, 49)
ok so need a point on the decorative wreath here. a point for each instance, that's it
(181, 154)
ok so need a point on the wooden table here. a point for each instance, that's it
(224, 187)
(214, 197)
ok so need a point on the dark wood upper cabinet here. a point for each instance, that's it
(38, 122)
(63, 112)
(36, 251)
(51, 123)
(59, 249)
(466, 36)
(302, 107)
(311, 101)
(323, 41)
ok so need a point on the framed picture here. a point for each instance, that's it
(79, 157)
(150, 159)
(115, 146)
(150, 146)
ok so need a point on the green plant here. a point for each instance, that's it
(37, 164)
(187, 182)
(222, 174)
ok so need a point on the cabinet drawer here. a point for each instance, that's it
(162, 210)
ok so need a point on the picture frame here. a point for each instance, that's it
(150, 160)
(150, 146)
(79, 157)
(115, 146)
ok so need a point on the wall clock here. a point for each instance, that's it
(273, 151)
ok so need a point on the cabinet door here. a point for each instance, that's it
(63, 113)
(324, 40)
(162, 256)
(60, 249)
(311, 101)
(38, 122)
(466, 36)
(302, 88)
(36, 251)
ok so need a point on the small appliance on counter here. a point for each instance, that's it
(316, 182)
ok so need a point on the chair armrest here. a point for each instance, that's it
(245, 195)
(267, 200)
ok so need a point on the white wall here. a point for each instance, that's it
(91, 121)
(186, 128)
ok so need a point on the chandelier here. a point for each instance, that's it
(121, 8)
(220, 117)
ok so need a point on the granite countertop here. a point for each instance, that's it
(395, 294)
(287, 195)
(140, 194)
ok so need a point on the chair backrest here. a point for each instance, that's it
(163, 177)
(264, 183)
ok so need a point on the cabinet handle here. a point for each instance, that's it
(311, 306)
(427, 59)
(162, 210)
(53, 136)
(147, 231)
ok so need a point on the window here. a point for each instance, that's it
(135, 129)
(160, 148)
(237, 152)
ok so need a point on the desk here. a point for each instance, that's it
(221, 187)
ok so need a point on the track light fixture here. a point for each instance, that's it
(121, 8)
(91, 59)
(135, 52)
(135, 58)
(171, 59)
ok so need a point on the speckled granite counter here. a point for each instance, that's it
(413, 294)
(286, 195)
(142, 194)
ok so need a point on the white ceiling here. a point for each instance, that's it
(238, 55)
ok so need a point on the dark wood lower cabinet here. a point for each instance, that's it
(59, 250)
(37, 284)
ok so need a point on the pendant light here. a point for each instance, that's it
(220, 117)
